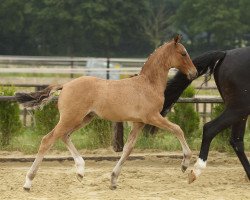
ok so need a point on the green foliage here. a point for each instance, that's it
(248, 123)
(214, 29)
(185, 116)
(221, 141)
(99, 132)
(46, 118)
(10, 123)
(119, 28)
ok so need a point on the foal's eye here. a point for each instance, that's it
(184, 54)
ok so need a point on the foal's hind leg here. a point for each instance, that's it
(126, 151)
(79, 162)
(238, 131)
(161, 122)
(47, 142)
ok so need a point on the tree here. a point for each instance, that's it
(210, 23)
(11, 26)
(158, 24)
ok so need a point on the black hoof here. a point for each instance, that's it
(26, 189)
(79, 177)
(113, 187)
(183, 168)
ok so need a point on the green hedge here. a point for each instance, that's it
(221, 141)
(46, 118)
(185, 115)
(10, 123)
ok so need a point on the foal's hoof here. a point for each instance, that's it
(183, 168)
(191, 177)
(26, 189)
(113, 187)
(79, 177)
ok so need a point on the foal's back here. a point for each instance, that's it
(128, 99)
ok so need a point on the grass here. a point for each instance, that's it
(28, 141)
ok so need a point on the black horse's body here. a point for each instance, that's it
(231, 70)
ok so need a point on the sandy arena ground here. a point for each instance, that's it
(152, 178)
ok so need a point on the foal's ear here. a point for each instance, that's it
(177, 38)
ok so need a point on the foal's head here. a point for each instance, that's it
(180, 58)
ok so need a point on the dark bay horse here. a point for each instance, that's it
(231, 70)
(138, 99)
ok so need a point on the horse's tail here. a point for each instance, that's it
(39, 98)
(204, 63)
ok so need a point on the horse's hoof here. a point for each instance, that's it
(113, 187)
(183, 168)
(247, 179)
(191, 177)
(26, 189)
(79, 177)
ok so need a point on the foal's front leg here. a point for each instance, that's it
(161, 122)
(126, 152)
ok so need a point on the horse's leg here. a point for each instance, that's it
(46, 143)
(126, 151)
(161, 122)
(79, 162)
(210, 130)
(237, 142)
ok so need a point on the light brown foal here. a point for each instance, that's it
(138, 99)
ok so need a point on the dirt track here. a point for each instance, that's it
(153, 178)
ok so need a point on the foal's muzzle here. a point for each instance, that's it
(192, 74)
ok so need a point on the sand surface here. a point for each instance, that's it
(152, 178)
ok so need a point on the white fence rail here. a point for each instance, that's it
(71, 65)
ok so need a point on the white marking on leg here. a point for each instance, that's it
(199, 166)
(79, 162)
(32, 171)
(80, 165)
(27, 184)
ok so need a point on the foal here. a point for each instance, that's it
(138, 99)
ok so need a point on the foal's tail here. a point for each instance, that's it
(39, 98)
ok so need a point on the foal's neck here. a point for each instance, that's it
(156, 68)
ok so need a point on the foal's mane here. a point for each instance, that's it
(157, 57)
(153, 67)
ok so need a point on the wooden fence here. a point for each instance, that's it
(78, 65)
(203, 105)
(73, 65)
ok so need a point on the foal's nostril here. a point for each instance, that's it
(192, 75)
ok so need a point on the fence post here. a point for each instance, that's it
(204, 113)
(24, 117)
(108, 66)
(71, 66)
(118, 142)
